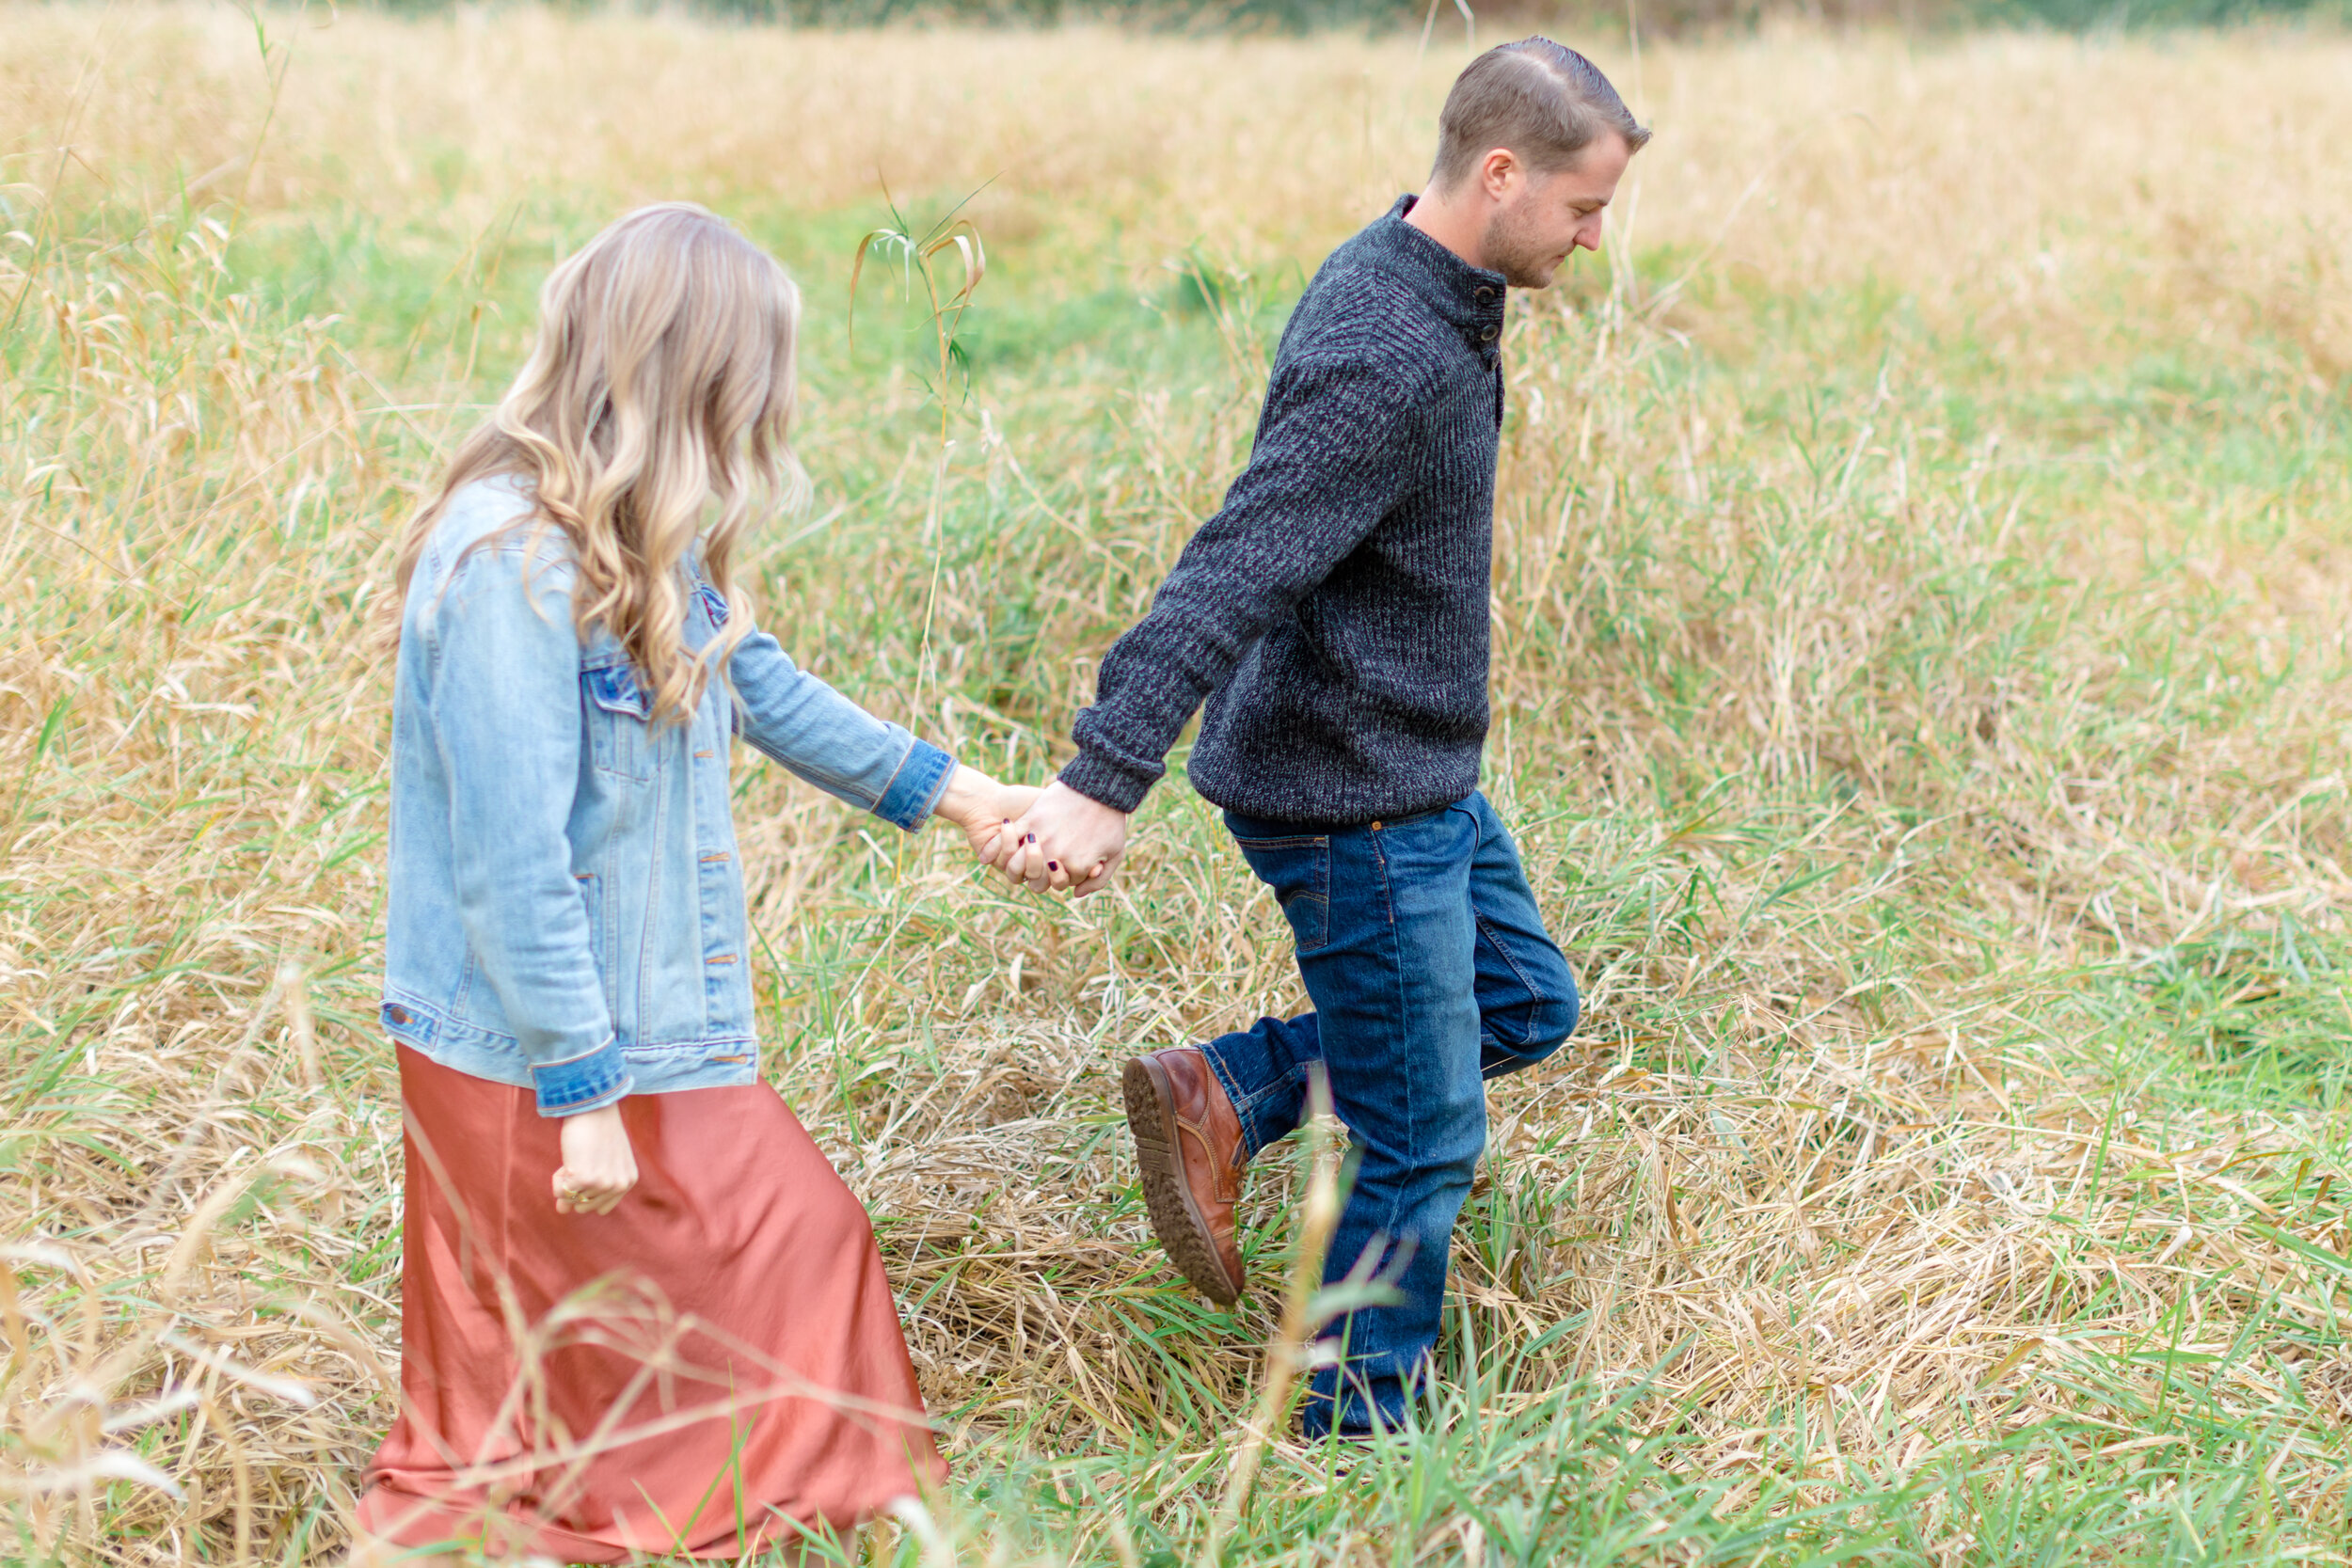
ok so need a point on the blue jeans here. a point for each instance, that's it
(1430, 970)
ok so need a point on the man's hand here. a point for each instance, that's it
(1066, 841)
(982, 808)
(599, 1165)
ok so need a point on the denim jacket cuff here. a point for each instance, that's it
(587, 1082)
(915, 789)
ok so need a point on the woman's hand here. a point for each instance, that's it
(599, 1165)
(1065, 844)
(982, 807)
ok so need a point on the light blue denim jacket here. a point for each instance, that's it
(565, 911)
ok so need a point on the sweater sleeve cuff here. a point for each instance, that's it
(1111, 784)
(587, 1082)
(913, 792)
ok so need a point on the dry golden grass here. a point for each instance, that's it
(1913, 738)
(2008, 181)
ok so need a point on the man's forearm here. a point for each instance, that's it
(1323, 472)
(1140, 707)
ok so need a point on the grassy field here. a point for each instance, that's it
(1922, 691)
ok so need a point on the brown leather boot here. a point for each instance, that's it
(1187, 1138)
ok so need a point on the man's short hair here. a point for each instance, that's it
(1544, 102)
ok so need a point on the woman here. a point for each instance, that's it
(640, 1312)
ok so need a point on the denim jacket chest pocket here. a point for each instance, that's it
(616, 711)
(565, 909)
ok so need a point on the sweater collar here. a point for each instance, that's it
(1468, 298)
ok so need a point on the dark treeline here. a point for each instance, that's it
(1578, 18)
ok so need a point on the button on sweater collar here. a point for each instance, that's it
(1468, 298)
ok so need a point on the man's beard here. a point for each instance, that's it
(1513, 250)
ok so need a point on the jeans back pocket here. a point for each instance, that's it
(1298, 869)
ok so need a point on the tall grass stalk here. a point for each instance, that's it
(1305, 1310)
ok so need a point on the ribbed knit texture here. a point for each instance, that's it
(1333, 612)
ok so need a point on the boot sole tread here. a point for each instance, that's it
(1176, 1220)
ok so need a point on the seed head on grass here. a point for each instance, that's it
(916, 258)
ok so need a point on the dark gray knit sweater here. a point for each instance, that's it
(1333, 612)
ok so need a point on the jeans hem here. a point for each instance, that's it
(1243, 1105)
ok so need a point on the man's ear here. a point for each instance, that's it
(1495, 171)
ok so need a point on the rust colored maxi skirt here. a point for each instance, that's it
(715, 1368)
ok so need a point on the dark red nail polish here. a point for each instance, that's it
(1053, 865)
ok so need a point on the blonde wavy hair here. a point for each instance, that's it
(661, 384)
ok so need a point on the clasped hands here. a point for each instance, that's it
(1050, 840)
(1034, 836)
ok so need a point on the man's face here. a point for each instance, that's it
(1539, 217)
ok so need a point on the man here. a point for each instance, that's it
(1333, 614)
